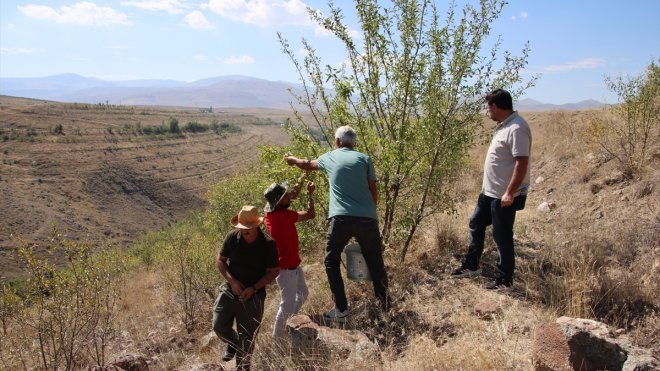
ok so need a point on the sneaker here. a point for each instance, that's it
(499, 286)
(230, 352)
(463, 272)
(335, 314)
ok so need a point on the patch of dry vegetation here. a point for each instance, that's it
(594, 255)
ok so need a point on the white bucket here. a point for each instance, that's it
(356, 266)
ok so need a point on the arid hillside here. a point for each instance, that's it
(95, 172)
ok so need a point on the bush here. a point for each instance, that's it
(195, 127)
(630, 130)
(63, 316)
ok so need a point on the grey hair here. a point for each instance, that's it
(346, 135)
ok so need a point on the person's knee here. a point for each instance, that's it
(223, 332)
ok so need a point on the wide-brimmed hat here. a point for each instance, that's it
(247, 218)
(274, 194)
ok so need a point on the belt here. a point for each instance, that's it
(290, 269)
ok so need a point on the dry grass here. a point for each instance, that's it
(595, 255)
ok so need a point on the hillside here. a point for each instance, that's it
(101, 180)
(592, 252)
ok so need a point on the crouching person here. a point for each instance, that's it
(248, 262)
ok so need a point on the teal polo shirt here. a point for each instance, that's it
(348, 174)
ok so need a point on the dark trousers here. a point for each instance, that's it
(365, 230)
(248, 317)
(489, 211)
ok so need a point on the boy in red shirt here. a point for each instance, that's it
(281, 224)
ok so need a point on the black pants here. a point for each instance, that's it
(490, 211)
(365, 230)
(248, 317)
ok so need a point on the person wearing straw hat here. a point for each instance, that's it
(351, 213)
(281, 224)
(248, 262)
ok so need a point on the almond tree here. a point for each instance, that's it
(413, 88)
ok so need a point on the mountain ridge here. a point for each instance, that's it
(228, 91)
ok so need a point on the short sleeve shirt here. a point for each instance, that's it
(512, 138)
(348, 174)
(281, 224)
(248, 262)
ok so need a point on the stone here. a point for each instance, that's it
(539, 180)
(544, 207)
(583, 344)
(487, 309)
(311, 338)
(131, 362)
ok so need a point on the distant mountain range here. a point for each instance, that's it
(233, 91)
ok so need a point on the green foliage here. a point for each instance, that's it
(68, 313)
(173, 125)
(413, 89)
(57, 129)
(634, 125)
(195, 127)
(188, 259)
(225, 127)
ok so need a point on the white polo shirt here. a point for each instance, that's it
(512, 139)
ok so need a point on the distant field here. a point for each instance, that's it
(93, 173)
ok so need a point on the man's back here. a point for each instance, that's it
(349, 173)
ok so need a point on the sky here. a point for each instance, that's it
(574, 44)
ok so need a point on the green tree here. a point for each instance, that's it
(173, 125)
(413, 88)
(633, 125)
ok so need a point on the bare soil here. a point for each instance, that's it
(101, 181)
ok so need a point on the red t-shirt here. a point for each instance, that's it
(281, 225)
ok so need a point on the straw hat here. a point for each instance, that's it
(247, 218)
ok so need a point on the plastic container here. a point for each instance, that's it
(356, 266)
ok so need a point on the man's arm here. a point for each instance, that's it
(236, 286)
(310, 213)
(373, 189)
(302, 163)
(519, 171)
(271, 274)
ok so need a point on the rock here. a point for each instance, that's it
(539, 180)
(595, 188)
(598, 214)
(616, 177)
(487, 309)
(550, 351)
(642, 189)
(550, 191)
(209, 341)
(544, 207)
(131, 362)
(311, 338)
(583, 344)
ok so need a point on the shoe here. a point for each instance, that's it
(335, 314)
(463, 272)
(230, 352)
(499, 285)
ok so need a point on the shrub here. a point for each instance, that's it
(633, 124)
(195, 127)
(58, 129)
(68, 313)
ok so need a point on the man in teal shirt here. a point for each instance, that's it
(351, 213)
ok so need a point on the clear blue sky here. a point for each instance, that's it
(575, 43)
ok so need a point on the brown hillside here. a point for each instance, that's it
(100, 180)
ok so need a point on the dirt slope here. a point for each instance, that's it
(100, 179)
